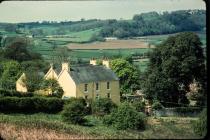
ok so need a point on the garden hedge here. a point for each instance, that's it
(12, 93)
(31, 104)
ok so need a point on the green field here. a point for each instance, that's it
(81, 36)
(156, 128)
(157, 39)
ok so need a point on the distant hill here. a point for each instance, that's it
(151, 23)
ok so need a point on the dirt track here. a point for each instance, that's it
(112, 44)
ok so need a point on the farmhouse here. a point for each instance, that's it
(87, 81)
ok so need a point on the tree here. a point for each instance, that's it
(62, 54)
(10, 28)
(54, 86)
(10, 73)
(40, 65)
(127, 73)
(18, 51)
(102, 106)
(74, 112)
(1, 38)
(125, 117)
(33, 80)
(173, 66)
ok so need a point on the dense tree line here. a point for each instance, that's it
(16, 58)
(153, 23)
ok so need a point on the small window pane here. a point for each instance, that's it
(108, 95)
(108, 85)
(97, 86)
(86, 85)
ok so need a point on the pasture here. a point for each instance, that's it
(48, 47)
(78, 37)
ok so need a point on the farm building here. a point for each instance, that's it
(87, 81)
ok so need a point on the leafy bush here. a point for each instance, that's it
(200, 126)
(72, 99)
(74, 112)
(157, 105)
(102, 106)
(52, 84)
(185, 110)
(125, 117)
(139, 106)
(11, 93)
(31, 104)
(82, 101)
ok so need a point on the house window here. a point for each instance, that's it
(86, 86)
(108, 95)
(86, 97)
(97, 86)
(107, 85)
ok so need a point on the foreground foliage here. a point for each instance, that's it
(74, 112)
(102, 106)
(159, 128)
(31, 104)
(200, 126)
(126, 117)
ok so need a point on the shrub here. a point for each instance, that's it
(74, 112)
(82, 101)
(187, 110)
(31, 104)
(12, 93)
(72, 99)
(200, 126)
(139, 106)
(52, 84)
(102, 106)
(125, 117)
(157, 105)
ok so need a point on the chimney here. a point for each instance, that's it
(65, 66)
(93, 61)
(51, 65)
(105, 62)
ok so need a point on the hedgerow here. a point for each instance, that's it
(31, 104)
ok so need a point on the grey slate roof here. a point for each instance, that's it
(90, 73)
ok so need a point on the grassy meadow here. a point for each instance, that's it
(157, 128)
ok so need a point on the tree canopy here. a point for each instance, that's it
(128, 74)
(153, 23)
(174, 64)
(9, 72)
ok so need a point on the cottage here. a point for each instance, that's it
(89, 81)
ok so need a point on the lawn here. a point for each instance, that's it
(157, 128)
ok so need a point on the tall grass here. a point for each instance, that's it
(166, 128)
